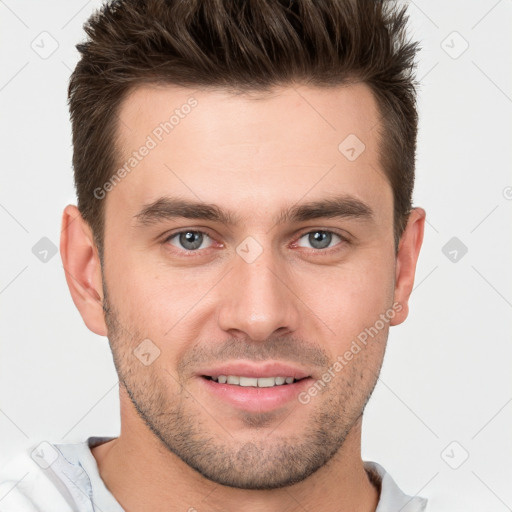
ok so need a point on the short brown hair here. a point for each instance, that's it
(241, 45)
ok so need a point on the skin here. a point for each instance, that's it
(180, 446)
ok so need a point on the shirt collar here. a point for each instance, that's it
(392, 498)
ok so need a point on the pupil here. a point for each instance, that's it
(191, 240)
(320, 239)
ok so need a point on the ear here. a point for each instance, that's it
(407, 257)
(82, 268)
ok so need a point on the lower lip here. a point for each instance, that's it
(257, 399)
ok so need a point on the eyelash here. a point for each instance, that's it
(192, 253)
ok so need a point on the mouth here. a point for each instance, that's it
(255, 388)
(255, 382)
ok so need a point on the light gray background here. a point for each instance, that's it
(445, 389)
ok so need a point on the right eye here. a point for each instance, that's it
(188, 240)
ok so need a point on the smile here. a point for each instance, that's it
(259, 382)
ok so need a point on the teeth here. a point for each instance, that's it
(248, 381)
(260, 382)
(266, 382)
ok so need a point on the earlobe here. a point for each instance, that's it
(407, 257)
(82, 269)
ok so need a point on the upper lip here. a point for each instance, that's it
(247, 369)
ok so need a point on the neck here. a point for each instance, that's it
(142, 475)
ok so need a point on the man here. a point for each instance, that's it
(245, 238)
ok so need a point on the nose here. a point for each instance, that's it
(258, 301)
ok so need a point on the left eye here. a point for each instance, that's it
(189, 240)
(319, 239)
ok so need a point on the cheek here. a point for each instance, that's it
(352, 297)
(133, 290)
(159, 303)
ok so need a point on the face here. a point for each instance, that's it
(282, 270)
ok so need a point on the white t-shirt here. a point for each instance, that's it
(48, 477)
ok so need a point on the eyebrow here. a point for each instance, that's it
(167, 208)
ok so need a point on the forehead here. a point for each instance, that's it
(252, 118)
(249, 150)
